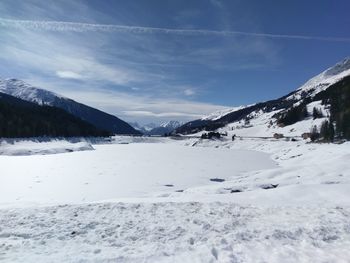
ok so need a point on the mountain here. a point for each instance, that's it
(165, 128)
(322, 101)
(100, 119)
(19, 118)
(143, 128)
(154, 129)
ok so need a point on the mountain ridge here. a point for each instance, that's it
(98, 118)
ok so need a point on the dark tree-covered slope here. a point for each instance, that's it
(19, 118)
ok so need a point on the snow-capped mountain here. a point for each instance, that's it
(22, 90)
(171, 124)
(165, 128)
(154, 129)
(323, 81)
(100, 119)
(292, 115)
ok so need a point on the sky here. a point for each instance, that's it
(159, 60)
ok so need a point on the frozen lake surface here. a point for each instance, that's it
(120, 170)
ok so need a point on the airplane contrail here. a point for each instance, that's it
(86, 27)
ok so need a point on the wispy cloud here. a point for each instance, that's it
(63, 59)
(167, 115)
(68, 75)
(86, 27)
(216, 3)
(140, 107)
(189, 92)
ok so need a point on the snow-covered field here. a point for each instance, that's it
(152, 200)
(120, 170)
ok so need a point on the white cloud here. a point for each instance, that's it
(216, 3)
(68, 75)
(162, 115)
(189, 92)
(55, 57)
(130, 106)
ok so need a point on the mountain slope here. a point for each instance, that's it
(292, 114)
(19, 118)
(100, 119)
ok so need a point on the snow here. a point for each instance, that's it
(119, 170)
(171, 124)
(282, 201)
(13, 147)
(219, 114)
(312, 174)
(264, 124)
(174, 232)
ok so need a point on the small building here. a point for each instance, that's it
(278, 136)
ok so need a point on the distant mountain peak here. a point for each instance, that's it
(171, 124)
(154, 129)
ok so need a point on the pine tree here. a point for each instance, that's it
(316, 113)
(331, 131)
(314, 133)
(327, 131)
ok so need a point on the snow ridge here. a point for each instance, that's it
(171, 124)
(323, 80)
(25, 91)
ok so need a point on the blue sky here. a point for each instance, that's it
(159, 60)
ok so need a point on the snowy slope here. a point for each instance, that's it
(171, 124)
(261, 119)
(323, 80)
(219, 114)
(24, 91)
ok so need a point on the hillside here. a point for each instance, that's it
(19, 118)
(100, 119)
(320, 105)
